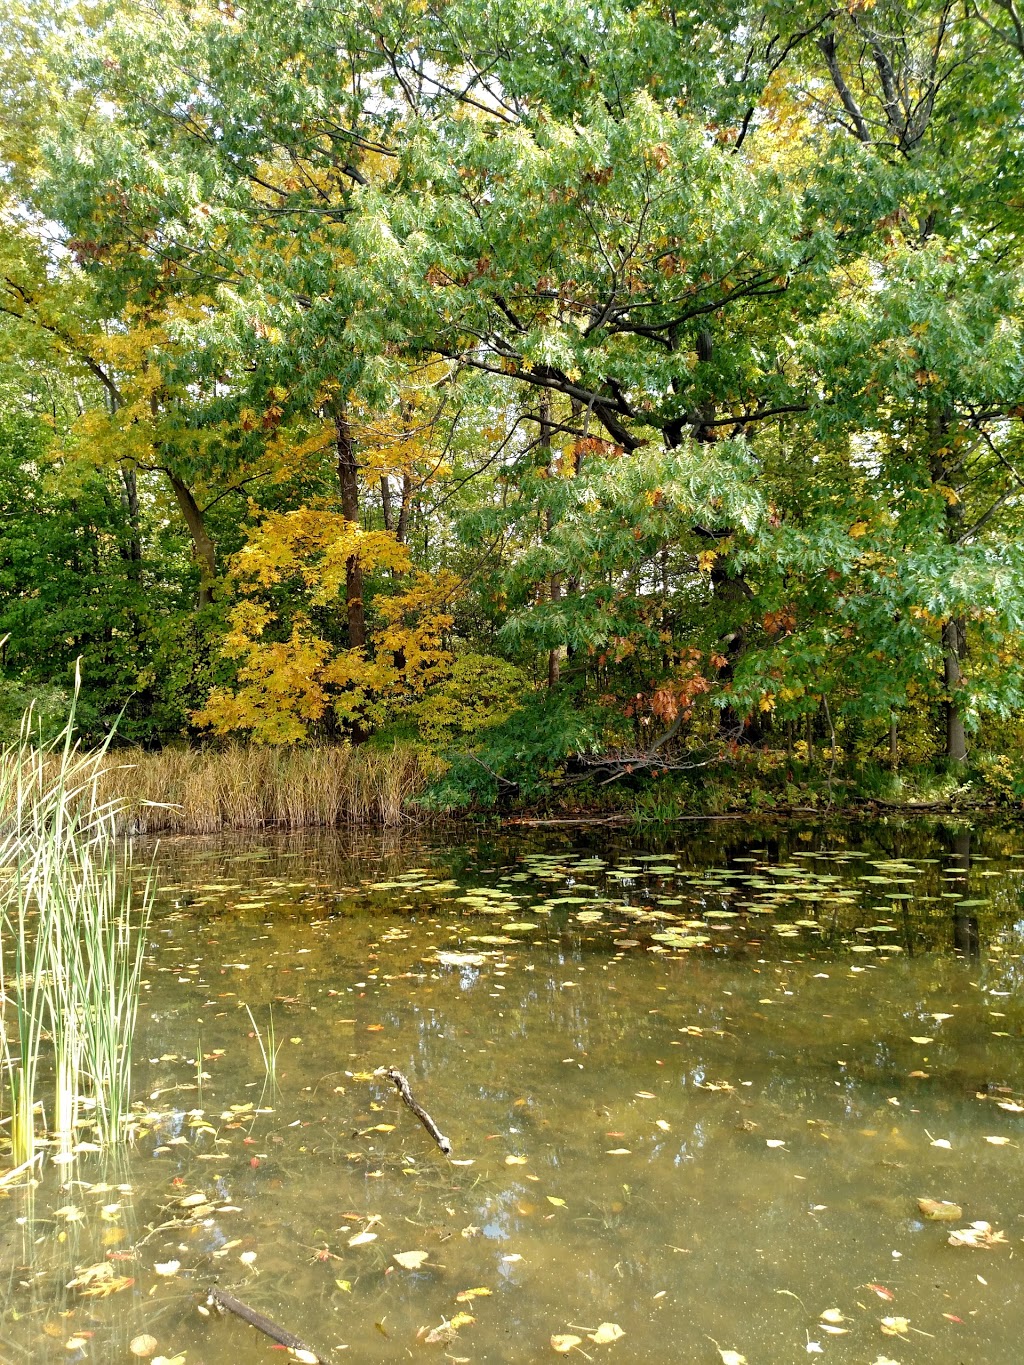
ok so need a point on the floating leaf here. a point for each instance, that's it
(979, 1235)
(564, 1342)
(143, 1345)
(998, 1141)
(516, 1160)
(895, 1327)
(940, 1210)
(410, 1260)
(468, 1295)
(606, 1333)
(554, 1199)
(833, 1315)
(361, 1239)
(167, 1268)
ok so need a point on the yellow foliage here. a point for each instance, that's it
(287, 687)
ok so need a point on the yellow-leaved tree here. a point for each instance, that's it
(297, 676)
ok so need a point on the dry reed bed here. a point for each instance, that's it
(195, 791)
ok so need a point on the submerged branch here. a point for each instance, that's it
(220, 1298)
(402, 1086)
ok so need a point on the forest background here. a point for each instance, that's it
(621, 400)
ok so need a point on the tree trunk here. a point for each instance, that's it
(202, 544)
(385, 502)
(954, 634)
(555, 581)
(348, 483)
(130, 500)
(402, 532)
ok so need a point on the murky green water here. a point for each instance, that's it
(694, 1088)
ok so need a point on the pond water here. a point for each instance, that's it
(695, 1087)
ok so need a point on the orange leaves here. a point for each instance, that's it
(593, 445)
(677, 696)
(780, 622)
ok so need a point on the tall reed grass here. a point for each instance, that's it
(203, 791)
(72, 937)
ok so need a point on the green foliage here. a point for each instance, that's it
(480, 692)
(670, 356)
(522, 757)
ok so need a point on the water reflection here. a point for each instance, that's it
(699, 1086)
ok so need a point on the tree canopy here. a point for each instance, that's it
(611, 382)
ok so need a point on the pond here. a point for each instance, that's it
(695, 1087)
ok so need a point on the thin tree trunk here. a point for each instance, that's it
(953, 643)
(385, 502)
(202, 543)
(402, 532)
(555, 581)
(130, 500)
(348, 483)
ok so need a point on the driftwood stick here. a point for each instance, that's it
(220, 1298)
(402, 1086)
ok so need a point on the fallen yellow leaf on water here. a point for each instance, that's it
(942, 1142)
(554, 1199)
(732, 1357)
(618, 1151)
(660, 1123)
(361, 1239)
(304, 1357)
(516, 1160)
(468, 1295)
(410, 1260)
(143, 1345)
(922, 1040)
(895, 1327)
(170, 1360)
(774, 1142)
(606, 1334)
(564, 1342)
(998, 1141)
(167, 1267)
(832, 1315)
(940, 1210)
(1011, 1106)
